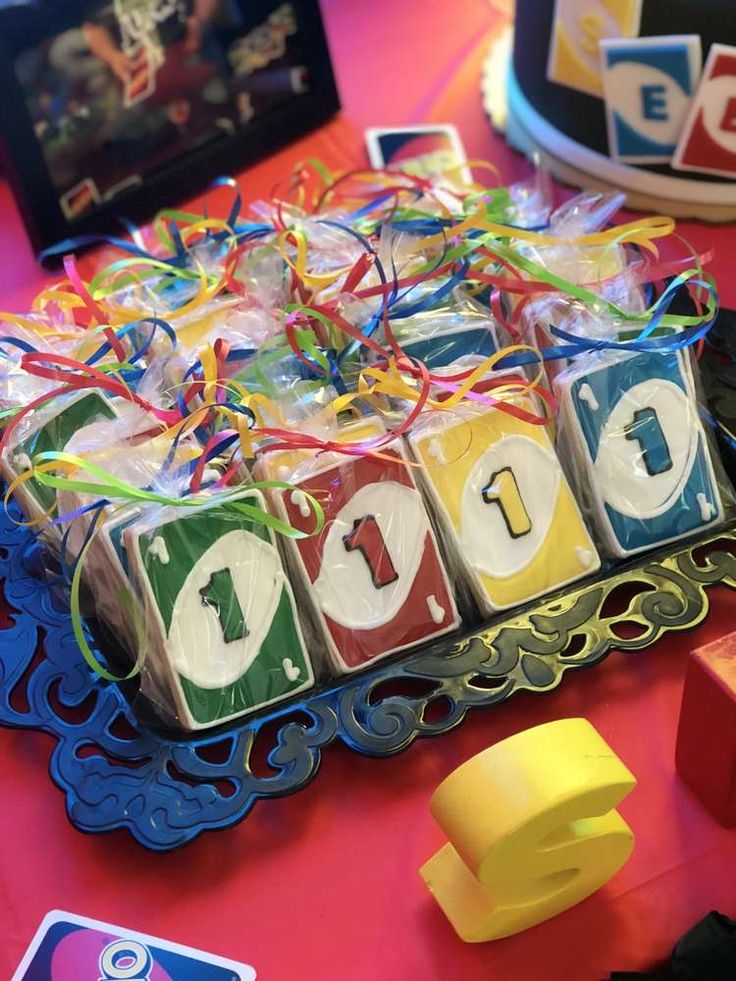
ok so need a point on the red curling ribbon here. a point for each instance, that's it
(382, 289)
(35, 404)
(221, 349)
(81, 376)
(214, 441)
(94, 310)
(358, 273)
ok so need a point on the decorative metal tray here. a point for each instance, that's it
(119, 773)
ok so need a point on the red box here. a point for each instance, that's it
(706, 739)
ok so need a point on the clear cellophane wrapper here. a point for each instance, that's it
(379, 538)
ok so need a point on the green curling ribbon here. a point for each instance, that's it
(595, 301)
(111, 487)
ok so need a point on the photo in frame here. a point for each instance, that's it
(119, 107)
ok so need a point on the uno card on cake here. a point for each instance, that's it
(649, 85)
(507, 508)
(578, 28)
(374, 573)
(75, 948)
(708, 141)
(220, 611)
(642, 450)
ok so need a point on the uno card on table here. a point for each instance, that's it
(141, 83)
(374, 574)
(508, 511)
(649, 84)
(708, 141)
(225, 631)
(577, 30)
(75, 948)
(642, 450)
(423, 151)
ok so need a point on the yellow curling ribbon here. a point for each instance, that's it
(299, 263)
(205, 293)
(209, 371)
(207, 225)
(395, 384)
(11, 489)
(62, 298)
(35, 327)
(641, 233)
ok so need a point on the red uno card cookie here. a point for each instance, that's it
(374, 574)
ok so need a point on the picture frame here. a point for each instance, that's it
(119, 107)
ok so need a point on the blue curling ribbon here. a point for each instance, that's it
(643, 342)
(393, 295)
(429, 302)
(375, 320)
(336, 378)
(237, 202)
(180, 256)
(240, 354)
(69, 245)
(375, 202)
(67, 568)
(156, 324)
(16, 342)
(720, 430)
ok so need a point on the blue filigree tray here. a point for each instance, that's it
(117, 772)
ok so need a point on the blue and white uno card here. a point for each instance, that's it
(649, 84)
(643, 451)
(74, 948)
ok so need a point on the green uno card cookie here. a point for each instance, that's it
(53, 434)
(219, 603)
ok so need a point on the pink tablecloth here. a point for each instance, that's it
(324, 885)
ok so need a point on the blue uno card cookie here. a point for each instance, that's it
(642, 450)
